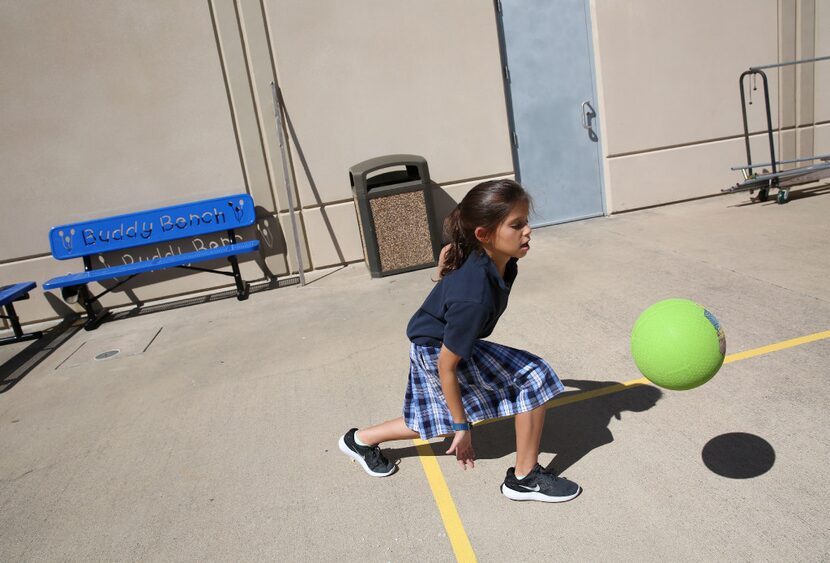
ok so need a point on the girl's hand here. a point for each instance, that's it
(462, 447)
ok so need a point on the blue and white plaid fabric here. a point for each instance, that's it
(496, 381)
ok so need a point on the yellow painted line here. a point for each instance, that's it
(452, 522)
(776, 347)
(578, 397)
(643, 381)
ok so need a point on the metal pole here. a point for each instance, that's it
(746, 125)
(769, 122)
(790, 63)
(289, 188)
(794, 160)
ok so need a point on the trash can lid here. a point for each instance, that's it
(367, 166)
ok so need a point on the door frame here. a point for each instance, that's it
(508, 99)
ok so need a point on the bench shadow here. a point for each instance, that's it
(571, 431)
(141, 309)
(13, 370)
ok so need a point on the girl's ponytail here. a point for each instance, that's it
(458, 247)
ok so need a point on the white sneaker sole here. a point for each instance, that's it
(517, 495)
(345, 449)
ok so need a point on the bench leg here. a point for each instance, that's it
(19, 336)
(243, 288)
(95, 313)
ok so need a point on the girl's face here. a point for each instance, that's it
(511, 239)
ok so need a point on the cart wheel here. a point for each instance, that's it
(783, 196)
(763, 194)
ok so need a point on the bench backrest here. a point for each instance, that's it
(151, 227)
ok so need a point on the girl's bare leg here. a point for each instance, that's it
(528, 437)
(387, 431)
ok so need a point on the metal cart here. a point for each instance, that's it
(776, 179)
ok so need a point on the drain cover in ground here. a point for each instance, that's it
(109, 348)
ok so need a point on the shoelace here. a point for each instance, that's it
(374, 455)
(551, 473)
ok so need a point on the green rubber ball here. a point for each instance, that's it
(677, 344)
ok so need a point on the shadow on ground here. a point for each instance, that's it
(141, 309)
(738, 455)
(13, 370)
(571, 431)
(803, 193)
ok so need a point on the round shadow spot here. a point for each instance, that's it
(738, 455)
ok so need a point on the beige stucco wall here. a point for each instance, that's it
(108, 107)
(115, 107)
(670, 105)
(363, 79)
(360, 80)
(822, 70)
(94, 108)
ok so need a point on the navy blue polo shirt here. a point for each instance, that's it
(464, 305)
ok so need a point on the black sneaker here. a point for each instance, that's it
(369, 457)
(538, 485)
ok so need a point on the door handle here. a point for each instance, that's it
(588, 115)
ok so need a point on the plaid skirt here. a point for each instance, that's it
(496, 381)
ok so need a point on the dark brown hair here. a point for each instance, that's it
(486, 205)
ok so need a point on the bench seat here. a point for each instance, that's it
(144, 266)
(9, 294)
(15, 291)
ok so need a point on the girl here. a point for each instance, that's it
(455, 378)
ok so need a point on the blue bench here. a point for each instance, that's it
(148, 228)
(9, 294)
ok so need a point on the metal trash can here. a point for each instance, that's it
(394, 211)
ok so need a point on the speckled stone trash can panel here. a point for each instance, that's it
(402, 230)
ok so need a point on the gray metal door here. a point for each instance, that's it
(549, 71)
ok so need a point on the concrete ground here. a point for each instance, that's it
(212, 435)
